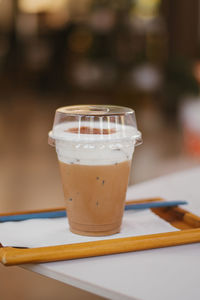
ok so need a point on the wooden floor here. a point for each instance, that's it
(29, 178)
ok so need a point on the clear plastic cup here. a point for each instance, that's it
(94, 145)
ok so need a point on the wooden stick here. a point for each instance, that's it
(188, 217)
(11, 256)
(32, 211)
(145, 200)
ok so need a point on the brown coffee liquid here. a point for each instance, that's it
(95, 196)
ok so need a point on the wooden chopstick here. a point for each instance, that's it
(137, 201)
(144, 200)
(63, 213)
(188, 217)
(11, 256)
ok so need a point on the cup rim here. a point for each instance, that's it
(95, 110)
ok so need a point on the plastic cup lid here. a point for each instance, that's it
(94, 122)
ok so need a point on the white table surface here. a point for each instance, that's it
(168, 273)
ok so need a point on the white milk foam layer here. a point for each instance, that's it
(94, 149)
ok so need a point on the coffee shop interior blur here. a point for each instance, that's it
(144, 54)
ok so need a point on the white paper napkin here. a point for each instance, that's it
(49, 232)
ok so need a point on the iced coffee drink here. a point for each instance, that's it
(95, 145)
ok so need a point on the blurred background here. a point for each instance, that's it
(144, 54)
